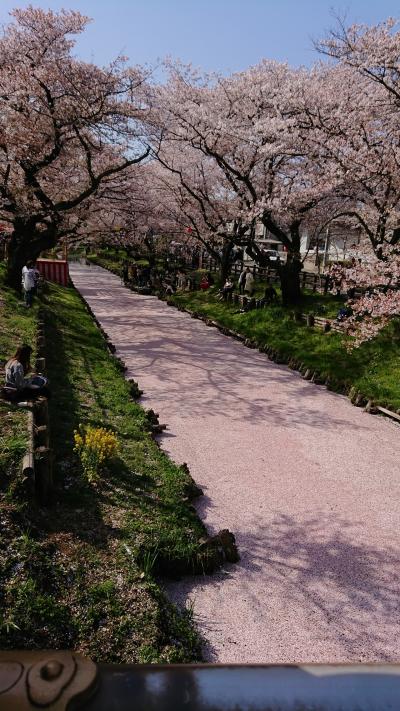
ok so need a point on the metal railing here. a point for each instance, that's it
(68, 681)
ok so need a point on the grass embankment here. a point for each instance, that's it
(17, 325)
(113, 259)
(373, 369)
(80, 574)
(110, 263)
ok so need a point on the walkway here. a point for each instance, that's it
(309, 484)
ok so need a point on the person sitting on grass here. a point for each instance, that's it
(204, 284)
(270, 297)
(17, 385)
(343, 313)
(226, 289)
(168, 288)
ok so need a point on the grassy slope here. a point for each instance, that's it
(112, 260)
(17, 325)
(81, 573)
(374, 369)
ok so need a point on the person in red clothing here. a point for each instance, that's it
(204, 284)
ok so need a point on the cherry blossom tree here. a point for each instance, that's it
(359, 129)
(66, 126)
(378, 278)
(198, 200)
(248, 127)
(356, 139)
(371, 51)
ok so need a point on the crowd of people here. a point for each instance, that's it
(174, 279)
(167, 281)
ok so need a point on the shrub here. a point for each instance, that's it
(94, 445)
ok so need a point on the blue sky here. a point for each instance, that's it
(221, 35)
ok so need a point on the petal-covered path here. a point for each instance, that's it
(309, 484)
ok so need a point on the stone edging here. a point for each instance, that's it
(355, 396)
(214, 550)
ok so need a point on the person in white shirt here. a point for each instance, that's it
(226, 289)
(249, 283)
(29, 283)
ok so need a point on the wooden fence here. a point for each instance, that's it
(308, 280)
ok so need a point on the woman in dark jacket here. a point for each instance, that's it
(17, 385)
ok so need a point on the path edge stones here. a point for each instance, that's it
(215, 550)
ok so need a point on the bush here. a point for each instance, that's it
(94, 445)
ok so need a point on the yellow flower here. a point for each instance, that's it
(94, 445)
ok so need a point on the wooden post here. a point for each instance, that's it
(41, 411)
(44, 474)
(42, 438)
(40, 365)
(28, 462)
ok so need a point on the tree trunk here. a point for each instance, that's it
(226, 261)
(18, 255)
(289, 275)
(254, 251)
(25, 245)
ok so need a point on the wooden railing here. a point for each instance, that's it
(308, 280)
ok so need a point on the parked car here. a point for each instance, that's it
(273, 256)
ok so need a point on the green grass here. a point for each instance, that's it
(112, 260)
(83, 573)
(374, 368)
(17, 325)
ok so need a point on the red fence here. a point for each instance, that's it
(54, 270)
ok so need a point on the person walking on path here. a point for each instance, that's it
(125, 271)
(28, 283)
(249, 282)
